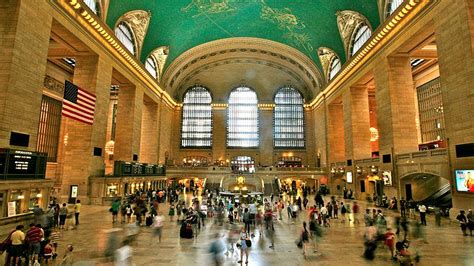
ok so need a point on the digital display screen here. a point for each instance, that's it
(465, 180)
(387, 178)
(22, 162)
(349, 177)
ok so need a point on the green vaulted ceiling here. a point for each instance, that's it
(183, 24)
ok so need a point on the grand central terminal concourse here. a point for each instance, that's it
(236, 132)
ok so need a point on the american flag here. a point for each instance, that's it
(78, 104)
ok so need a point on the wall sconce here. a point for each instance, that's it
(342, 170)
(333, 171)
(373, 169)
(21, 197)
(358, 169)
(39, 195)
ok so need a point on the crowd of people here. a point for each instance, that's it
(38, 244)
(243, 222)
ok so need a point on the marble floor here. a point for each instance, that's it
(342, 244)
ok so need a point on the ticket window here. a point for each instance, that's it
(35, 198)
(112, 190)
(17, 203)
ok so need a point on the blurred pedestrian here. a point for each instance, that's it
(216, 249)
(304, 238)
(158, 222)
(463, 222)
(244, 246)
(77, 211)
(114, 210)
(422, 210)
(470, 221)
(68, 259)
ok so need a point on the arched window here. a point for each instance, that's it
(362, 34)
(392, 6)
(124, 34)
(334, 68)
(242, 118)
(150, 66)
(196, 126)
(288, 119)
(94, 6)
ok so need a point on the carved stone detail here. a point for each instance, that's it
(138, 20)
(54, 86)
(347, 21)
(325, 56)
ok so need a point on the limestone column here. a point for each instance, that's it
(454, 34)
(266, 137)
(78, 161)
(149, 132)
(356, 123)
(311, 154)
(166, 124)
(24, 42)
(129, 122)
(335, 133)
(395, 104)
(320, 133)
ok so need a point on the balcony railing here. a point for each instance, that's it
(422, 154)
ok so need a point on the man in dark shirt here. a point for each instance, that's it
(33, 238)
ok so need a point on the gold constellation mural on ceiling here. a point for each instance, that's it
(282, 17)
(208, 7)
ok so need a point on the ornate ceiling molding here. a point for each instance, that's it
(160, 55)
(243, 47)
(347, 22)
(215, 64)
(326, 55)
(138, 20)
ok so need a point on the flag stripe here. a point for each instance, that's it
(86, 95)
(85, 107)
(76, 111)
(78, 118)
(73, 115)
(73, 106)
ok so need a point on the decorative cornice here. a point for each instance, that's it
(384, 34)
(347, 22)
(326, 55)
(98, 30)
(138, 20)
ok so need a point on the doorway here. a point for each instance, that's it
(408, 192)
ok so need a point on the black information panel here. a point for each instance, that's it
(19, 164)
(138, 169)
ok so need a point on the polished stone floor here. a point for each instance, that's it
(342, 244)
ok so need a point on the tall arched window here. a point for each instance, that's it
(124, 34)
(150, 66)
(242, 118)
(362, 34)
(334, 67)
(288, 119)
(94, 6)
(392, 6)
(196, 126)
